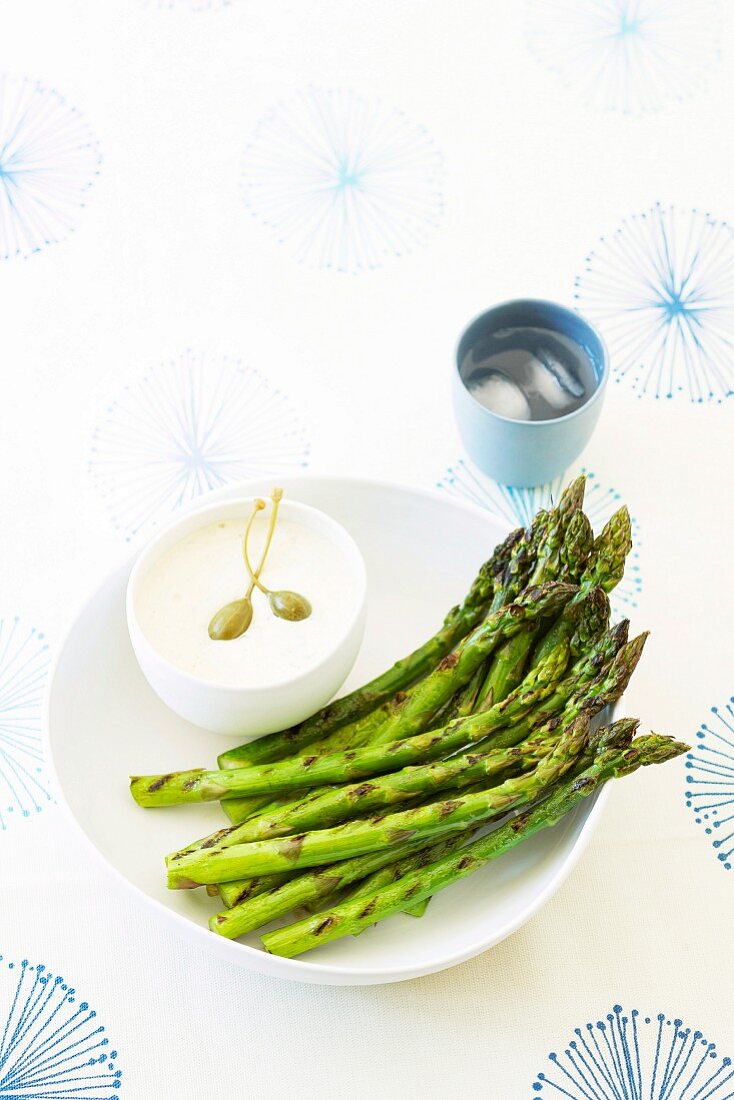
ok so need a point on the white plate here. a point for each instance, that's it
(104, 723)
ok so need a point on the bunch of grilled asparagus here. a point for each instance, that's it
(369, 807)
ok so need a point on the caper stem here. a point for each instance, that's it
(284, 605)
(276, 497)
(234, 618)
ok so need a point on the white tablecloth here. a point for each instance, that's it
(296, 208)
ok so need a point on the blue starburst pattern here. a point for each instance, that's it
(49, 160)
(710, 781)
(344, 181)
(24, 662)
(520, 505)
(661, 290)
(633, 56)
(628, 1056)
(188, 426)
(51, 1046)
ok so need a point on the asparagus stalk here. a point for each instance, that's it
(605, 567)
(370, 761)
(408, 785)
(458, 667)
(508, 586)
(594, 689)
(585, 620)
(564, 542)
(199, 785)
(595, 563)
(592, 695)
(513, 581)
(587, 617)
(620, 734)
(351, 917)
(516, 573)
(418, 908)
(602, 573)
(459, 622)
(539, 547)
(304, 889)
(203, 786)
(359, 837)
(520, 560)
(588, 686)
(354, 735)
(422, 858)
(241, 891)
(244, 889)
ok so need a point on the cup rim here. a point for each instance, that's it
(596, 395)
(147, 554)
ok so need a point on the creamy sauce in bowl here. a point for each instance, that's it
(184, 587)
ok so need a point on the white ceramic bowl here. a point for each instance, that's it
(249, 712)
(433, 543)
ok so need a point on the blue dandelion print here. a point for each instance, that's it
(661, 290)
(631, 56)
(24, 663)
(520, 505)
(51, 1044)
(344, 181)
(190, 425)
(628, 1056)
(710, 781)
(49, 160)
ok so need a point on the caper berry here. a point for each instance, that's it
(231, 621)
(289, 605)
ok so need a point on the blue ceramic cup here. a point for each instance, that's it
(528, 452)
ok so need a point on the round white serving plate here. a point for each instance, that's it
(103, 723)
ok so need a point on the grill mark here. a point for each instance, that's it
(211, 842)
(361, 790)
(447, 808)
(323, 925)
(245, 893)
(158, 783)
(292, 845)
(397, 836)
(329, 883)
(451, 660)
